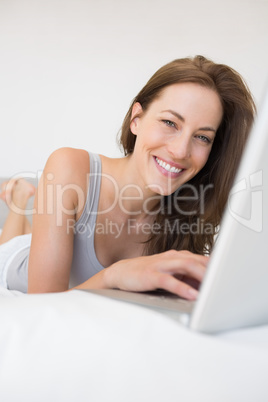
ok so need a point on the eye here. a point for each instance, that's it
(169, 123)
(204, 139)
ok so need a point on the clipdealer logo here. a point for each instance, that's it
(250, 191)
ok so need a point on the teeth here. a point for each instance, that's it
(167, 166)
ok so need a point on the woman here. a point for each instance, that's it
(151, 217)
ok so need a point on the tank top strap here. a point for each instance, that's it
(89, 214)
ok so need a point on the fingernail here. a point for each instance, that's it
(193, 292)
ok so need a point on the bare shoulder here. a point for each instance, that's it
(68, 165)
(67, 169)
(69, 159)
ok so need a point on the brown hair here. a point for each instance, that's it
(217, 175)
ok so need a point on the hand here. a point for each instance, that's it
(159, 271)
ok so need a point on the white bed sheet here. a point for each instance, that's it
(76, 346)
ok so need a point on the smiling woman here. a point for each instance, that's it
(149, 218)
(183, 143)
(225, 140)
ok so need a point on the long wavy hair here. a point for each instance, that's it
(194, 225)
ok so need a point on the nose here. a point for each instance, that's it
(180, 146)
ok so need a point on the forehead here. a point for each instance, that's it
(190, 92)
(190, 100)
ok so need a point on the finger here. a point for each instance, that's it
(203, 259)
(184, 255)
(180, 266)
(173, 285)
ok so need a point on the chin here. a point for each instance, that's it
(161, 191)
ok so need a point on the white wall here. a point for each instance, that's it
(70, 68)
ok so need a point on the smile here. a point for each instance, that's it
(167, 167)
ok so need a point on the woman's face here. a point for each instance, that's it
(175, 135)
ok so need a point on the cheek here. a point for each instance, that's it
(201, 157)
(150, 135)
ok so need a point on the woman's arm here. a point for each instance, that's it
(59, 200)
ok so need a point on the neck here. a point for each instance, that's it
(126, 187)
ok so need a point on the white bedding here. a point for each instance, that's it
(76, 346)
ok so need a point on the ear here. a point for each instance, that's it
(135, 116)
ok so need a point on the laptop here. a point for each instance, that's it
(234, 292)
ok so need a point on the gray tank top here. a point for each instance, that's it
(85, 263)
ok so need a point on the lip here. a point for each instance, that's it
(172, 164)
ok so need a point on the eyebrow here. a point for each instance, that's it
(183, 120)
